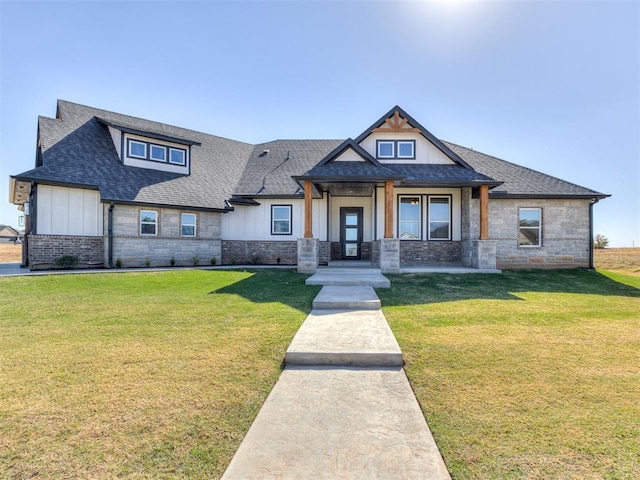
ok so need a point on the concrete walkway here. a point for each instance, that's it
(343, 407)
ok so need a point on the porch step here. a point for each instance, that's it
(348, 276)
(360, 338)
(353, 298)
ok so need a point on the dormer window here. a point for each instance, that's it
(396, 149)
(156, 152)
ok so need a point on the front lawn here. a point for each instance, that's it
(525, 374)
(139, 375)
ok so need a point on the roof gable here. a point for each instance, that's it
(397, 120)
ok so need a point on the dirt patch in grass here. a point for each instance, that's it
(10, 252)
(624, 260)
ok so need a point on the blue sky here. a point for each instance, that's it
(552, 85)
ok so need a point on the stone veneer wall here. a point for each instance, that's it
(45, 249)
(565, 233)
(265, 252)
(429, 253)
(133, 249)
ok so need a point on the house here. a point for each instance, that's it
(115, 189)
(8, 234)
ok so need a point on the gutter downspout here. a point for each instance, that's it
(591, 263)
(110, 234)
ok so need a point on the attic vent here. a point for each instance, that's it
(264, 153)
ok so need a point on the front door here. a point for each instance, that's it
(351, 232)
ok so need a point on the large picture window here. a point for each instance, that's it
(530, 227)
(280, 219)
(439, 218)
(409, 224)
(148, 222)
(188, 224)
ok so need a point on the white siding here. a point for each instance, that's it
(348, 156)
(68, 211)
(254, 223)
(426, 152)
(116, 136)
(456, 209)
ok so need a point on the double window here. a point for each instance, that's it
(155, 152)
(281, 220)
(411, 216)
(396, 149)
(530, 227)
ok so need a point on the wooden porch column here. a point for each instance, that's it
(308, 209)
(388, 209)
(484, 212)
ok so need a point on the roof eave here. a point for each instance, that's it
(157, 136)
(550, 196)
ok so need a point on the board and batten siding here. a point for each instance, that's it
(425, 152)
(68, 211)
(254, 222)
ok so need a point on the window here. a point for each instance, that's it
(396, 149)
(530, 227)
(148, 222)
(406, 149)
(280, 219)
(158, 153)
(386, 149)
(409, 224)
(137, 149)
(188, 224)
(439, 218)
(177, 156)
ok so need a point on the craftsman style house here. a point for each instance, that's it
(118, 190)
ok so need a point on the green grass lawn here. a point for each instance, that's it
(159, 375)
(139, 375)
(525, 374)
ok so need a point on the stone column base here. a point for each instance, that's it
(389, 255)
(483, 254)
(308, 249)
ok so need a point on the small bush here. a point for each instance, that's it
(234, 260)
(196, 261)
(66, 261)
(118, 263)
(172, 261)
(147, 262)
(255, 258)
(278, 260)
(214, 260)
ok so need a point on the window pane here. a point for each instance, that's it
(351, 250)
(351, 219)
(148, 216)
(529, 217)
(188, 224)
(410, 230)
(148, 229)
(529, 236)
(158, 153)
(281, 226)
(137, 149)
(439, 230)
(385, 149)
(405, 149)
(177, 156)
(351, 234)
(281, 213)
(439, 209)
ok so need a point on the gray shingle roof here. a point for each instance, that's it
(518, 180)
(78, 150)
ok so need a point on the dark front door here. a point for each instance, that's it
(351, 232)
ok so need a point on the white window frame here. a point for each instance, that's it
(429, 221)
(400, 221)
(162, 148)
(184, 156)
(289, 219)
(154, 223)
(407, 142)
(539, 227)
(385, 142)
(131, 142)
(187, 224)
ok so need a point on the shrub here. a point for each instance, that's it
(255, 258)
(214, 260)
(118, 263)
(147, 262)
(196, 261)
(172, 261)
(278, 260)
(234, 260)
(66, 261)
(600, 241)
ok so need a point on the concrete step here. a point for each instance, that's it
(349, 278)
(360, 338)
(352, 298)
